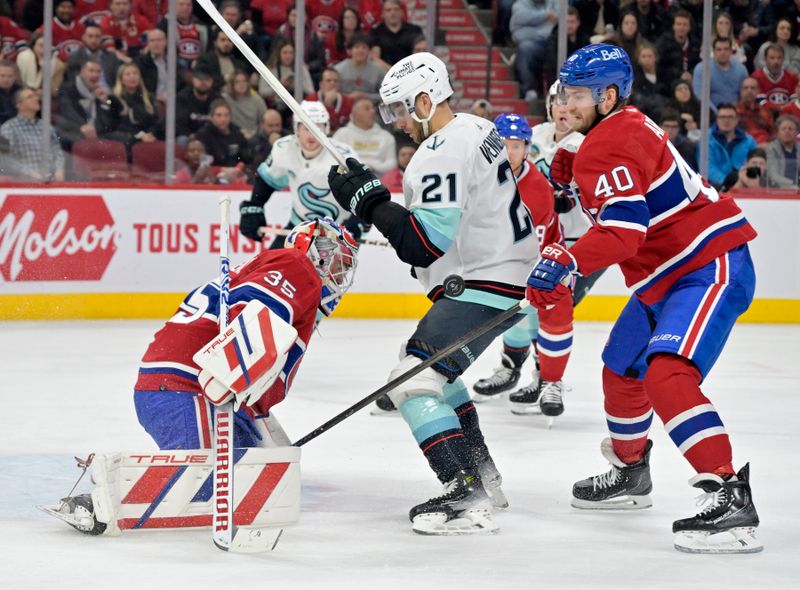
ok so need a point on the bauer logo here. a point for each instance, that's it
(55, 238)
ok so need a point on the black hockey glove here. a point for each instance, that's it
(358, 190)
(252, 218)
(565, 198)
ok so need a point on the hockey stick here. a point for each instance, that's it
(270, 79)
(361, 241)
(465, 339)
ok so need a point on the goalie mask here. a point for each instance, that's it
(332, 251)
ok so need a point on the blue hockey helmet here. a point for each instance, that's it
(598, 66)
(512, 126)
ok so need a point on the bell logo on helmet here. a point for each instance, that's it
(608, 54)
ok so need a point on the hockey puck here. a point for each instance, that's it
(453, 285)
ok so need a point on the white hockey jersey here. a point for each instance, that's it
(543, 148)
(460, 188)
(307, 179)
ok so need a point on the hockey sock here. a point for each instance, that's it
(456, 396)
(628, 415)
(439, 435)
(516, 342)
(673, 386)
(554, 349)
(516, 355)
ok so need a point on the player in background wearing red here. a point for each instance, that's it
(682, 249)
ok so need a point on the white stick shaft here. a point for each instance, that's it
(270, 79)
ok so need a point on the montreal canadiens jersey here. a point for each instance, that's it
(575, 222)
(286, 166)
(283, 280)
(655, 216)
(460, 189)
(537, 194)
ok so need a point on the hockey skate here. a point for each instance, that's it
(78, 512)
(384, 407)
(624, 487)
(728, 522)
(492, 483)
(463, 509)
(504, 378)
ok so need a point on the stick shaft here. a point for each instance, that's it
(270, 79)
(465, 339)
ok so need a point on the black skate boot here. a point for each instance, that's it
(625, 487)
(78, 512)
(384, 407)
(551, 400)
(504, 378)
(463, 509)
(727, 524)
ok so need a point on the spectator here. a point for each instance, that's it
(286, 30)
(222, 139)
(652, 19)
(339, 105)
(599, 19)
(139, 116)
(671, 124)
(25, 159)
(686, 104)
(649, 90)
(231, 11)
(329, 8)
(369, 12)
(728, 145)
(793, 107)
(91, 11)
(532, 21)
(199, 168)
(221, 61)
(271, 14)
(723, 29)
(195, 103)
(374, 145)
(319, 42)
(8, 88)
(679, 55)
(482, 108)
(13, 39)
(782, 154)
(775, 82)
(754, 173)
(782, 35)
(349, 25)
(360, 77)
(393, 180)
(29, 64)
(576, 39)
(281, 64)
(752, 20)
(246, 106)
(151, 10)
(420, 44)
(628, 36)
(726, 75)
(754, 118)
(393, 39)
(87, 109)
(123, 30)
(152, 64)
(270, 130)
(67, 31)
(192, 38)
(92, 49)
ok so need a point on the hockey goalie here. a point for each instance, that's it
(276, 300)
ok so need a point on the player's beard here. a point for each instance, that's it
(416, 132)
(580, 122)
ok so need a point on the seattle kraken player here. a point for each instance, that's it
(682, 249)
(299, 162)
(471, 243)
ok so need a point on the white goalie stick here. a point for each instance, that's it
(270, 79)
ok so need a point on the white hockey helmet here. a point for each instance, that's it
(411, 76)
(551, 98)
(318, 114)
(332, 251)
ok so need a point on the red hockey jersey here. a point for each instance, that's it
(283, 280)
(537, 194)
(66, 38)
(124, 35)
(655, 216)
(13, 38)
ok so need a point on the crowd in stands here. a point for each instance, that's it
(109, 78)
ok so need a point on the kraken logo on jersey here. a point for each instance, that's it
(311, 198)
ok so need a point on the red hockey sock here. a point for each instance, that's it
(628, 414)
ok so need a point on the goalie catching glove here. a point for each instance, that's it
(246, 358)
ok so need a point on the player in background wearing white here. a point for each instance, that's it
(301, 163)
(274, 302)
(554, 342)
(682, 249)
(469, 238)
(546, 138)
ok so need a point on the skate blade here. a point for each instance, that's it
(497, 497)
(619, 503)
(737, 540)
(83, 524)
(474, 522)
(525, 409)
(482, 398)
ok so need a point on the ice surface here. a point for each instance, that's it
(66, 390)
